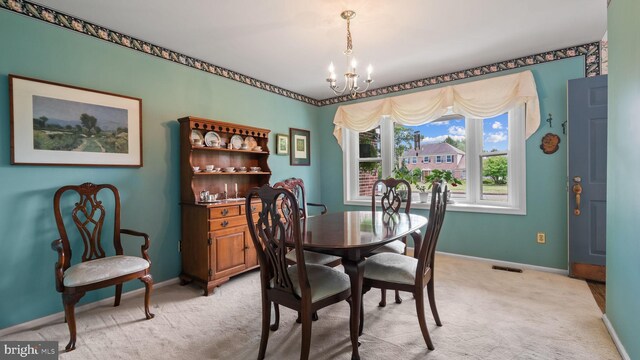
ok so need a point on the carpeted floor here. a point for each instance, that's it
(487, 314)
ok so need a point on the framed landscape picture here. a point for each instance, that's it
(282, 144)
(300, 153)
(57, 124)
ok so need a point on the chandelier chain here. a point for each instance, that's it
(349, 41)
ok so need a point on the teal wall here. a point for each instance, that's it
(149, 194)
(623, 201)
(501, 237)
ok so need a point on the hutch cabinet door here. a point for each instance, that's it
(250, 255)
(228, 250)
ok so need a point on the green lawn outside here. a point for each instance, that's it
(486, 189)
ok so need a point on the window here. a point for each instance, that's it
(487, 155)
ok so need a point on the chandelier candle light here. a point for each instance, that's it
(350, 76)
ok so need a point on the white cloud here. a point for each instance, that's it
(438, 123)
(457, 130)
(497, 125)
(496, 137)
(441, 138)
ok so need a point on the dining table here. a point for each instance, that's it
(353, 235)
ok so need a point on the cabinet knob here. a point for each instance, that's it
(225, 223)
(224, 212)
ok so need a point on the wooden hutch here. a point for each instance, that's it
(216, 243)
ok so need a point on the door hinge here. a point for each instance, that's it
(210, 272)
(209, 241)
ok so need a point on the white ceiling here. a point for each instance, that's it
(290, 43)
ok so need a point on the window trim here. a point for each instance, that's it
(516, 203)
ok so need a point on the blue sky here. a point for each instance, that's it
(71, 110)
(494, 131)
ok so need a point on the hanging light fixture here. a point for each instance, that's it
(350, 76)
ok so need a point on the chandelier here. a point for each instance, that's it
(350, 76)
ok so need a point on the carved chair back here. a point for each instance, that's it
(436, 217)
(88, 215)
(296, 187)
(391, 200)
(277, 228)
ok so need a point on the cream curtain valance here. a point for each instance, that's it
(477, 99)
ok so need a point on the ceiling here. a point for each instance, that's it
(290, 43)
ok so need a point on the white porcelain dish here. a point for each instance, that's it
(236, 141)
(211, 138)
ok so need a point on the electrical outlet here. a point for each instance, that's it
(541, 238)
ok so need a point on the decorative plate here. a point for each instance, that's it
(210, 137)
(195, 134)
(251, 142)
(236, 141)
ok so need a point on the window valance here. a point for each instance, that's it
(476, 99)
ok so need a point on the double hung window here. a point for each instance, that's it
(487, 155)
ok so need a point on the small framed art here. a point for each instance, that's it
(57, 124)
(301, 147)
(282, 144)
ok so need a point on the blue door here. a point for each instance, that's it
(587, 139)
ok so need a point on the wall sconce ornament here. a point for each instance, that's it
(550, 143)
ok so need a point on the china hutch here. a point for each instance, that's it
(216, 243)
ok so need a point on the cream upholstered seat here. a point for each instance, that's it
(390, 267)
(396, 247)
(323, 280)
(312, 257)
(91, 272)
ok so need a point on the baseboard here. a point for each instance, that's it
(60, 315)
(509, 264)
(614, 337)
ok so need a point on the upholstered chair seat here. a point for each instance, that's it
(323, 280)
(396, 247)
(312, 257)
(94, 271)
(390, 267)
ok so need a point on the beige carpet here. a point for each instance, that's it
(487, 314)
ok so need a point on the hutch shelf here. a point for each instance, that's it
(215, 241)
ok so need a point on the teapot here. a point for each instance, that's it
(204, 195)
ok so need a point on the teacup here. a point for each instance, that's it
(244, 147)
(257, 148)
(196, 168)
(210, 167)
(242, 168)
(197, 142)
(212, 197)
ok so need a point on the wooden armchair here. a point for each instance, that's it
(303, 287)
(391, 203)
(404, 273)
(97, 270)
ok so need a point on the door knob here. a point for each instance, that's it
(577, 190)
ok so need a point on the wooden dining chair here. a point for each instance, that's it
(296, 187)
(96, 270)
(405, 273)
(391, 203)
(303, 287)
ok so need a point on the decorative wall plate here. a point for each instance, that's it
(236, 141)
(211, 137)
(251, 142)
(550, 143)
(195, 134)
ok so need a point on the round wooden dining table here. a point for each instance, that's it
(353, 235)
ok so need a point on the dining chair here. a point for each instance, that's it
(96, 269)
(296, 187)
(302, 287)
(391, 203)
(405, 273)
